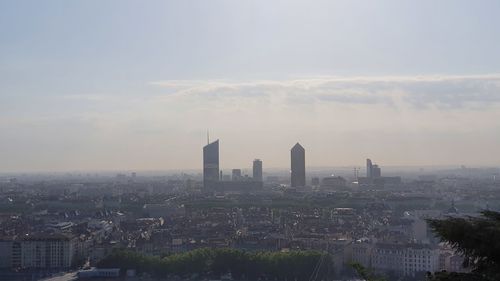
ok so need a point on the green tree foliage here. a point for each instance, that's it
(365, 273)
(293, 265)
(478, 239)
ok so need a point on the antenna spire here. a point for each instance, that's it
(208, 137)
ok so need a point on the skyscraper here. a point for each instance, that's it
(372, 170)
(298, 165)
(376, 172)
(257, 170)
(210, 164)
(369, 168)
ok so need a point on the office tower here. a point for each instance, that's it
(210, 164)
(376, 172)
(298, 165)
(369, 168)
(236, 174)
(257, 170)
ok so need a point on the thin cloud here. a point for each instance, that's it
(439, 91)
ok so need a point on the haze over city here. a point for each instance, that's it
(87, 85)
(250, 140)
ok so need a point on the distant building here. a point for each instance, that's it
(210, 164)
(376, 172)
(241, 186)
(236, 175)
(361, 252)
(405, 259)
(380, 181)
(374, 176)
(369, 168)
(298, 165)
(333, 183)
(39, 251)
(257, 170)
(315, 181)
(159, 210)
(372, 170)
(388, 180)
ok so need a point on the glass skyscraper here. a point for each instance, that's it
(257, 170)
(210, 164)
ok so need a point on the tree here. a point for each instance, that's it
(293, 265)
(477, 239)
(365, 273)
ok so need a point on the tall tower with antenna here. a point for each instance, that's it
(211, 173)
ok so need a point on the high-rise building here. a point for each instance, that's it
(298, 165)
(369, 168)
(257, 170)
(372, 170)
(210, 164)
(376, 172)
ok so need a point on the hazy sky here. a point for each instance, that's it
(135, 84)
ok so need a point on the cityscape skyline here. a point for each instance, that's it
(248, 167)
(251, 140)
(469, 140)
